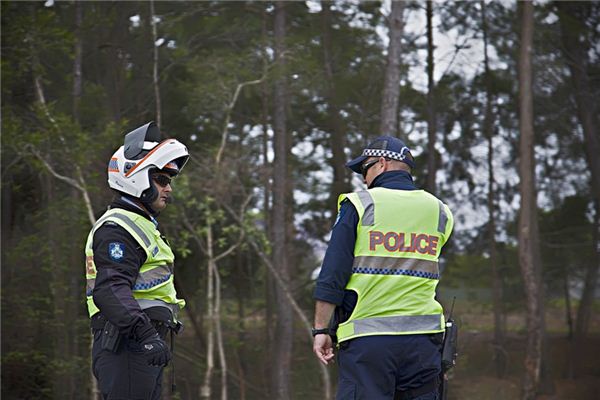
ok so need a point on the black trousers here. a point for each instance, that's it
(376, 367)
(125, 374)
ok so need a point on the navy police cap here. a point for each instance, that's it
(383, 146)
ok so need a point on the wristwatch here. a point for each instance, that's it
(321, 331)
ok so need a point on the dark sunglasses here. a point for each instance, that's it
(162, 180)
(365, 167)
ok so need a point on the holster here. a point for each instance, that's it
(111, 338)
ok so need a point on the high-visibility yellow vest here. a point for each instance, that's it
(154, 284)
(399, 238)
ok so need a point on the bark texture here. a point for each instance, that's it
(282, 342)
(528, 228)
(431, 118)
(341, 183)
(497, 285)
(391, 86)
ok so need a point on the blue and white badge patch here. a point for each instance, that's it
(116, 251)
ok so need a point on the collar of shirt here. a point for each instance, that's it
(128, 204)
(400, 180)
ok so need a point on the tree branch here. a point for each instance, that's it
(229, 109)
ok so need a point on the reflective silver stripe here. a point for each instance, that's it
(395, 263)
(155, 276)
(147, 303)
(145, 280)
(133, 226)
(365, 198)
(96, 226)
(127, 222)
(443, 219)
(401, 323)
(90, 284)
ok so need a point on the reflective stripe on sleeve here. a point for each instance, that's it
(401, 323)
(366, 199)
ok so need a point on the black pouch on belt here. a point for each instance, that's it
(111, 338)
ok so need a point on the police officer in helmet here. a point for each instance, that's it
(131, 296)
(375, 292)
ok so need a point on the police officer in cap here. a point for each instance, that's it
(375, 292)
(131, 296)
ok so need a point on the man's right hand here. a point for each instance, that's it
(323, 348)
(156, 351)
(154, 348)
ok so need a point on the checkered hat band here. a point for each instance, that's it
(386, 153)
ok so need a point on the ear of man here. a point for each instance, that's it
(395, 165)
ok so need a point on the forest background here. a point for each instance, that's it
(497, 99)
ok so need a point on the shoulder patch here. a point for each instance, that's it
(116, 251)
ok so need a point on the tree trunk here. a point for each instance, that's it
(497, 286)
(431, 118)
(585, 309)
(282, 345)
(77, 61)
(241, 290)
(219, 331)
(391, 87)
(337, 140)
(569, 319)
(528, 229)
(155, 82)
(205, 388)
(60, 332)
(267, 171)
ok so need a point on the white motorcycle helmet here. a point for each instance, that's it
(143, 152)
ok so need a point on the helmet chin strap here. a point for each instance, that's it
(148, 207)
(145, 205)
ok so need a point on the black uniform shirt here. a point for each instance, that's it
(117, 272)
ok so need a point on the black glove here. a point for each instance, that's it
(155, 349)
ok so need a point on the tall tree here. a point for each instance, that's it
(282, 346)
(155, 81)
(77, 60)
(528, 227)
(391, 88)
(337, 140)
(488, 130)
(431, 119)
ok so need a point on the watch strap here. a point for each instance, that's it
(321, 331)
